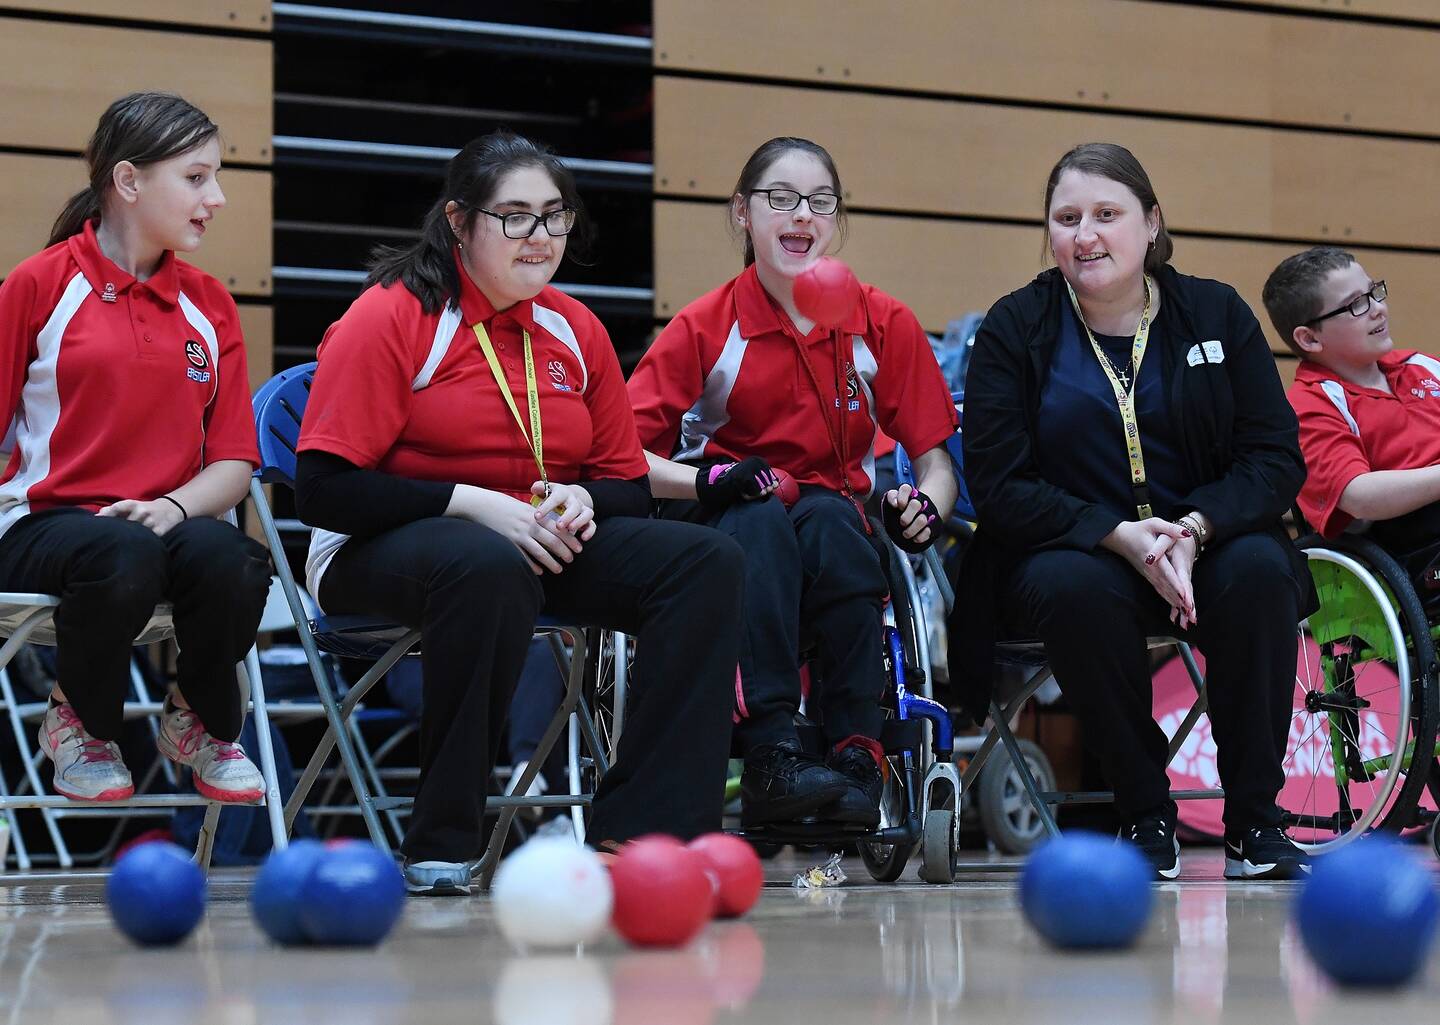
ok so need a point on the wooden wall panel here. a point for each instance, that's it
(252, 15)
(1220, 63)
(944, 269)
(57, 78)
(991, 161)
(237, 247)
(1414, 10)
(258, 323)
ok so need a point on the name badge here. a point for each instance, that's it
(1206, 352)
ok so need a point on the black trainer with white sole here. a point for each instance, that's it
(1154, 834)
(1264, 853)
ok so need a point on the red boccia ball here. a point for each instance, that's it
(788, 491)
(826, 292)
(663, 895)
(738, 872)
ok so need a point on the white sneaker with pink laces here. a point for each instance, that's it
(222, 772)
(86, 769)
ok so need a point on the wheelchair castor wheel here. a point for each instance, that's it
(939, 845)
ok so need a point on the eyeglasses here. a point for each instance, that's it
(1357, 307)
(822, 203)
(522, 225)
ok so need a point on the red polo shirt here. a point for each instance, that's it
(1347, 430)
(725, 380)
(116, 388)
(410, 393)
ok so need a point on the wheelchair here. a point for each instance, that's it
(1362, 749)
(919, 806)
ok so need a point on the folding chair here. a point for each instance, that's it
(279, 407)
(28, 618)
(1005, 706)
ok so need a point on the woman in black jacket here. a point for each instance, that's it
(1131, 453)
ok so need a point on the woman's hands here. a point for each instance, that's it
(569, 508)
(1163, 553)
(536, 531)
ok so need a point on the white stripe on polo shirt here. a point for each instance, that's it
(40, 403)
(700, 423)
(558, 326)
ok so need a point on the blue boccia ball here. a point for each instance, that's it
(1367, 914)
(279, 887)
(156, 894)
(1084, 890)
(353, 896)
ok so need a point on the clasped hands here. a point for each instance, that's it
(1164, 554)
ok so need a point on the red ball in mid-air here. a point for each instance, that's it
(663, 895)
(737, 869)
(826, 292)
(788, 491)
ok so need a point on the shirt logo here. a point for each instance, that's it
(109, 296)
(852, 390)
(199, 360)
(556, 370)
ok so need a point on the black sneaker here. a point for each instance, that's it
(1265, 853)
(859, 805)
(781, 783)
(1154, 834)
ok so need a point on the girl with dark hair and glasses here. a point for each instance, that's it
(470, 460)
(1131, 453)
(741, 385)
(122, 370)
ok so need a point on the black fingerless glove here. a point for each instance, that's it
(890, 516)
(724, 484)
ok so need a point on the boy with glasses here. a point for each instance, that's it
(1369, 413)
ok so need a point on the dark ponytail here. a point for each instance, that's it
(427, 267)
(143, 128)
(754, 171)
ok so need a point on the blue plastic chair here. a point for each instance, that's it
(279, 408)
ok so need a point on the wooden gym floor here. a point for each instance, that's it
(908, 952)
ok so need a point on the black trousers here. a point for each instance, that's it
(473, 596)
(1093, 611)
(110, 574)
(810, 566)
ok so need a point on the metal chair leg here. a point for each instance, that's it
(1017, 758)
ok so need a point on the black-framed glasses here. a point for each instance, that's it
(1359, 306)
(523, 225)
(822, 203)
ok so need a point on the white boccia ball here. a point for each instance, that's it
(553, 989)
(552, 893)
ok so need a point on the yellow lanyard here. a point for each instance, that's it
(535, 438)
(1125, 397)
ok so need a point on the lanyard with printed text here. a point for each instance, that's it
(535, 438)
(1125, 396)
(839, 440)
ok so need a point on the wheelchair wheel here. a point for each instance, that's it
(614, 662)
(1362, 733)
(1010, 820)
(941, 844)
(885, 862)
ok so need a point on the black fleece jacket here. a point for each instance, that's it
(1237, 434)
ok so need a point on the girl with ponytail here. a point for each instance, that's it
(122, 369)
